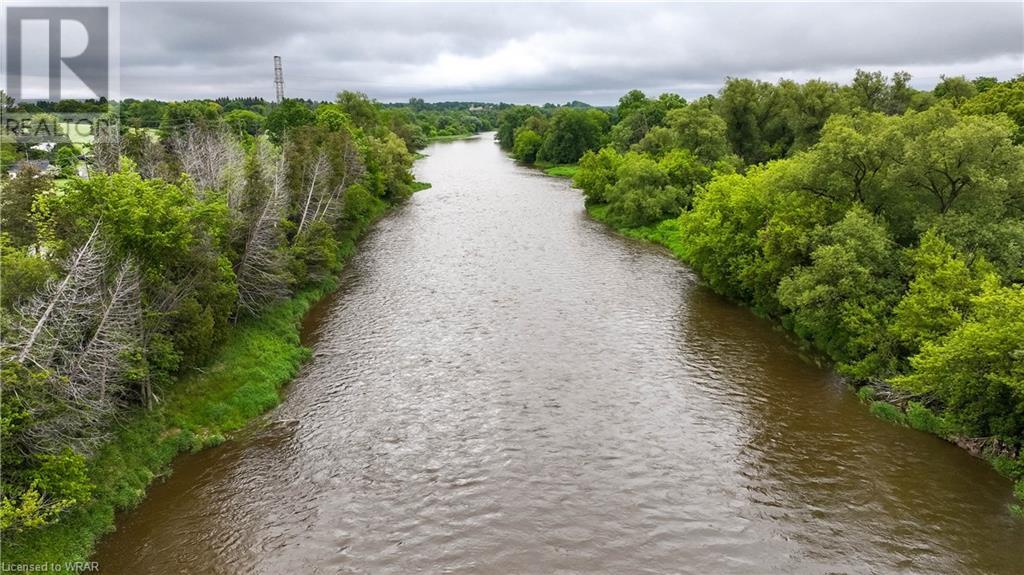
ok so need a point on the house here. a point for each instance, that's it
(40, 166)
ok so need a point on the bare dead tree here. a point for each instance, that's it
(316, 177)
(352, 169)
(54, 320)
(107, 149)
(148, 154)
(210, 157)
(260, 269)
(97, 375)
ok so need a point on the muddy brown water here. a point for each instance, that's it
(501, 385)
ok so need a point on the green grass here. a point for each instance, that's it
(562, 171)
(82, 134)
(420, 186)
(451, 138)
(244, 380)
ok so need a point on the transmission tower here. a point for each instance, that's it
(278, 79)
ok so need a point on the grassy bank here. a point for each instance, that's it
(243, 381)
(452, 138)
(558, 170)
(906, 413)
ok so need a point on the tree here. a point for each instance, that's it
(701, 131)
(261, 266)
(511, 119)
(180, 116)
(597, 174)
(244, 122)
(956, 89)
(209, 156)
(67, 161)
(642, 193)
(967, 162)
(842, 299)
(753, 115)
(850, 162)
(527, 145)
(287, 115)
(1006, 98)
(16, 202)
(939, 296)
(571, 133)
(869, 90)
(976, 371)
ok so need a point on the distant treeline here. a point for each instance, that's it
(882, 224)
(417, 122)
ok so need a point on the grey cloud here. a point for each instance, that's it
(548, 52)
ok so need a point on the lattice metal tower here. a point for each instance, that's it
(278, 79)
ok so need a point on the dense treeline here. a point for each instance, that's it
(117, 284)
(882, 224)
(416, 122)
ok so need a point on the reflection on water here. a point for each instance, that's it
(503, 386)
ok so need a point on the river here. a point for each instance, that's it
(502, 385)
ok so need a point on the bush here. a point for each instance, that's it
(888, 412)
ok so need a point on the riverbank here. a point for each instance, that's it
(453, 138)
(243, 381)
(880, 403)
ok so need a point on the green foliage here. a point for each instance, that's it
(977, 371)
(866, 393)
(569, 171)
(888, 412)
(511, 119)
(19, 195)
(245, 122)
(923, 419)
(644, 192)
(597, 174)
(527, 145)
(1007, 98)
(36, 488)
(956, 89)
(179, 116)
(938, 298)
(571, 133)
(287, 115)
(24, 274)
(279, 218)
(841, 300)
(66, 161)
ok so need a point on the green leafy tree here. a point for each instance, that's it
(287, 115)
(511, 119)
(841, 300)
(964, 162)
(16, 202)
(642, 193)
(977, 371)
(571, 133)
(939, 296)
(597, 174)
(1007, 98)
(956, 89)
(244, 122)
(528, 144)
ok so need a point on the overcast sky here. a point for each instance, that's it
(536, 53)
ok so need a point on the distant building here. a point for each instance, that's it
(40, 166)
